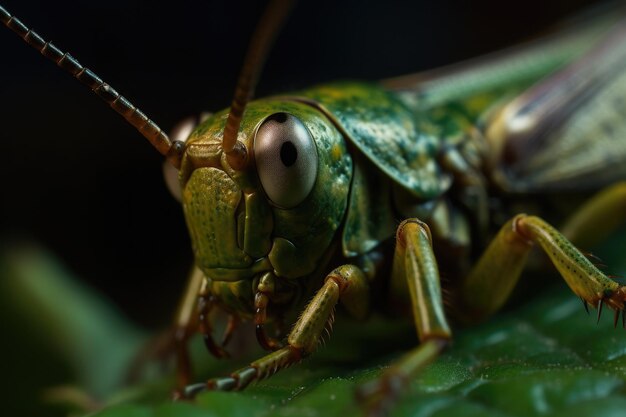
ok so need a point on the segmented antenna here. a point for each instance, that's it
(262, 39)
(120, 104)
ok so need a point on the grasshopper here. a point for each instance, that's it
(323, 196)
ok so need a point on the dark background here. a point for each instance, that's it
(80, 182)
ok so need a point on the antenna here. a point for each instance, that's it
(264, 35)
(134, 116)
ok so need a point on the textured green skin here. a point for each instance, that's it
(387, 132)
(390, 139)
(296, 241)
(352, 123)
(348, 121)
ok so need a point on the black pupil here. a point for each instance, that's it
(288, 154)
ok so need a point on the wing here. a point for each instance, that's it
(509, 70)
(552, 111)
(569, 130)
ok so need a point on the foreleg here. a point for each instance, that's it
(347, 284)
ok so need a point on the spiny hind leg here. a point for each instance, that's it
(491, 281)
(598, 217)
(347, 284)
(414, 270)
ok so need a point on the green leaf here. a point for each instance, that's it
(544, 357)
(61, 333)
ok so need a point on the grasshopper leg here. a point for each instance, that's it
(491, 281)
(414, 269)
(185, 325)
(205, 304)
(347, 284)
(261, 301)
(174, 340)
(598, 217)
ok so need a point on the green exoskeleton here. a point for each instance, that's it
(335, 194)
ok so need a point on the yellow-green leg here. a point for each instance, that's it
(347, 284)
(491, 281)
(414, 270)
(174, 340)
(598, 217)
(185, 326)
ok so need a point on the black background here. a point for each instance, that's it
(80, 182)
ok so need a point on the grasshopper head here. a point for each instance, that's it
(264, 185)
(280, 212)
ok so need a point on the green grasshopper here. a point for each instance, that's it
(328, 195)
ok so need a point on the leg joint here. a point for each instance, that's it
(521, 229)
(420, 225)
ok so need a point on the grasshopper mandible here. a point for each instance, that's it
(281, 206)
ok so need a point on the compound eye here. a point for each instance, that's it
(286, 159)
